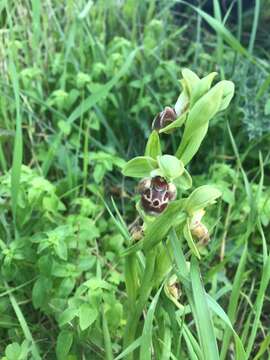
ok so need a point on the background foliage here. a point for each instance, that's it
(81, 82)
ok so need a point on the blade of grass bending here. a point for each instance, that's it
(23, 323)
(202, 314)
(118, 223)
(232, 308)
(129, 349)
(223, 31)
(265, 345)
(217, 309)
(258, 305)
(146, 338)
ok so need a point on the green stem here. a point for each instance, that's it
(131, 279)
(144, 293)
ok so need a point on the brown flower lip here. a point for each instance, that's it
(156, 193)
(164, 118)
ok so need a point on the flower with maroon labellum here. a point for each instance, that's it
(156, 193)
(164, 118)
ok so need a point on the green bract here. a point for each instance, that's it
(167, 166)
(201, 197)
(153, 148)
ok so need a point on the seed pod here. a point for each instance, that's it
(156, 193)
(164, 118)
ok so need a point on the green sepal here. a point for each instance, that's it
(170, 166)
(153, 148)
(191, 80)
(139, 167)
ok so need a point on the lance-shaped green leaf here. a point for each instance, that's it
(159, 228)
(187, 150)
(202, 86)
(170, 166)
(153, 148)
(201, 197)
(139, 167)
(190, 241)
(202, 314)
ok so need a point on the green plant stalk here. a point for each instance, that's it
(258, 305)
(107, 337)
(144, 293)
(131, 277)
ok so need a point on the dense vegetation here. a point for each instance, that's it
(81, 82)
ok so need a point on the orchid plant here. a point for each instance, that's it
(166, 218)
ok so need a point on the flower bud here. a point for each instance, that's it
(164, 118)
(156, 193)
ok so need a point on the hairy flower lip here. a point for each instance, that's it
(156, 193)
(164, 118)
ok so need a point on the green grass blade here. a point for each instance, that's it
(217, 309)
(233, 303)
(202, 314)
(146, 339)
(258, 305)
(23, 323)
(254, 26)
(129, 349)
(107, 337)
(223, 32)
